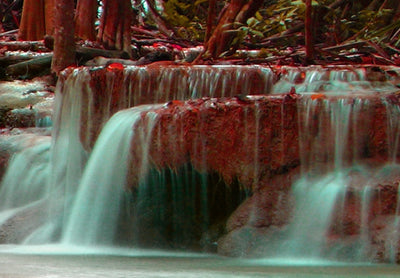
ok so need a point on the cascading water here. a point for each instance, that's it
(393, 144)
(87, 190)
(326, 126)
(332, 80)
(95, 210)
(19, 193)
(20, 190)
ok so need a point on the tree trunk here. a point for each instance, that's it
(309, 32)
(115, 24)
(64, 43)
(32, 27)
(162, 25)
(37, 20)
(236, 11)
(397, 14)
(210, 18)
(49, 8)
(85, 18)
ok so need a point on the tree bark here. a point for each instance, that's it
(210, 18)
(115, 25)
(49, 10)
(397, 14)
(162, 25)
(85, 18)
(64, 39)
(236, 11)
(32, 26)
(309, 32)
(37, 20)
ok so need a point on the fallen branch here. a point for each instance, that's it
(24, 45)
(31, 68)
(392, 49)
(28, 67)
(87, 53)
(153, 41)
(14, 59)
(144, 32)
(268, 41)
(350, 45)
(9, 32)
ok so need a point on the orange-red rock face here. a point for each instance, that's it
(108, 90)
(244, 139)
(258, 137)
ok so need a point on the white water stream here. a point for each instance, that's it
(95, 208)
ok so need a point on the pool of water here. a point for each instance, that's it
(54, 262)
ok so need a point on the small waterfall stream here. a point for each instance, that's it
(17, 190)
(327, 127)
(95, 209)
(82, 178)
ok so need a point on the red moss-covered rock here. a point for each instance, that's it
(237, 138)
(255, 137)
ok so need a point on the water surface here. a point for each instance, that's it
(55, 262)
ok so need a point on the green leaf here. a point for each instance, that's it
(258, 16)
(257, 33)
(252, 22)
(297, 3)
(198, 2)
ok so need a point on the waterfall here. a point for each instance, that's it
(95, 209)
(86, 191)
(330, 80)
(25, 185)
(393, 130)
(171, 208)
(315, 201)
(328, 162)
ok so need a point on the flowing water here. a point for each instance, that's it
(93, 217)
(76, 189)
(46, 262)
